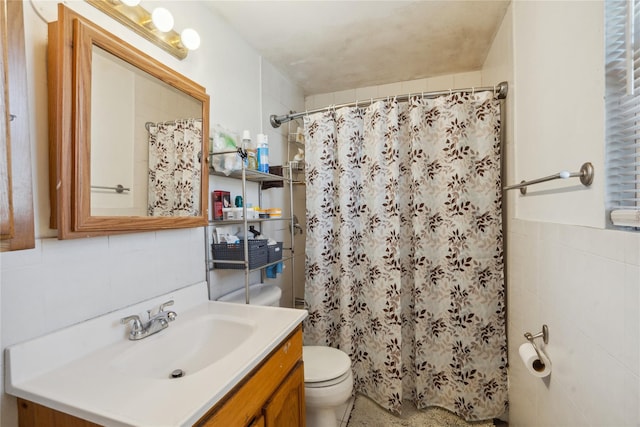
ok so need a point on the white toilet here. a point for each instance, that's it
(328, 381)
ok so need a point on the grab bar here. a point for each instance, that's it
(585, 174)
(118, 188)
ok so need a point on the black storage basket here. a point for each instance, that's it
(258, 254)
(275, 252)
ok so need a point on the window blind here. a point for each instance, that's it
(622, 29)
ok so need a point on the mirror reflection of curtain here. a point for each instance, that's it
(174, 168)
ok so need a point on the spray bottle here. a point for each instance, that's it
(252, 161)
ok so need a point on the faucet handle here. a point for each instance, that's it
(166, 304)
(136, 324)
(171, 315)
(160, 309)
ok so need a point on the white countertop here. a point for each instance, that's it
(73, 370)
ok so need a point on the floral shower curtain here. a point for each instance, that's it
(174, 168)
(404, 268)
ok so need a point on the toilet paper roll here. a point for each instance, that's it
(538, 367)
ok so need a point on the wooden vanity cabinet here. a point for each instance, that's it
(286, 406)
(272, 395)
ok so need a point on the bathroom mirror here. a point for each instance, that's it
(127, 135)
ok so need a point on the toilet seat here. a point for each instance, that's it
(328, 383)
(324, 366)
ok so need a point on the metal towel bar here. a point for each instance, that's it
(118, 188)
(585, 174)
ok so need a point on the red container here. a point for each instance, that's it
(220, 199)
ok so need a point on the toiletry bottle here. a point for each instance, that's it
(252, 161)
(263, 153)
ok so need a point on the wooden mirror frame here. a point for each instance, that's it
(71, 40)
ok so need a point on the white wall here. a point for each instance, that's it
(279, 97)
(564, 269)
(60, 283)
(559, 87)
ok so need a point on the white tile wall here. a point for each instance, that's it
(414, 86)
(452, 81)
(584, 284)
(62, 282)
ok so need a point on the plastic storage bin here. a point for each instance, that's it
(275, 252)
(258, 254)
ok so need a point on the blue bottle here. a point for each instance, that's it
(263, 153)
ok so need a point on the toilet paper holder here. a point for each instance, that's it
(544, 334)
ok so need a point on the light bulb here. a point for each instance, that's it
(131, 3)
(162, 19)
(190, 38)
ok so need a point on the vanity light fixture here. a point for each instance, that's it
(162, 19)
(190, 38)
(157, 26)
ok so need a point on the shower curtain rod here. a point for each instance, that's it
(500, 89)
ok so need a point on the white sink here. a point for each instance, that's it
(187, 347)
(92, 371)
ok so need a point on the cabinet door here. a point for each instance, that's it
(6, 204)
(16, 201)
(31, 414)
(286, 406)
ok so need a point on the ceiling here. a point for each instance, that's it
(328, 46)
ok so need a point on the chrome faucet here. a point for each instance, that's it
(156, 322)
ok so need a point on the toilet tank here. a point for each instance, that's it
(259, 294)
